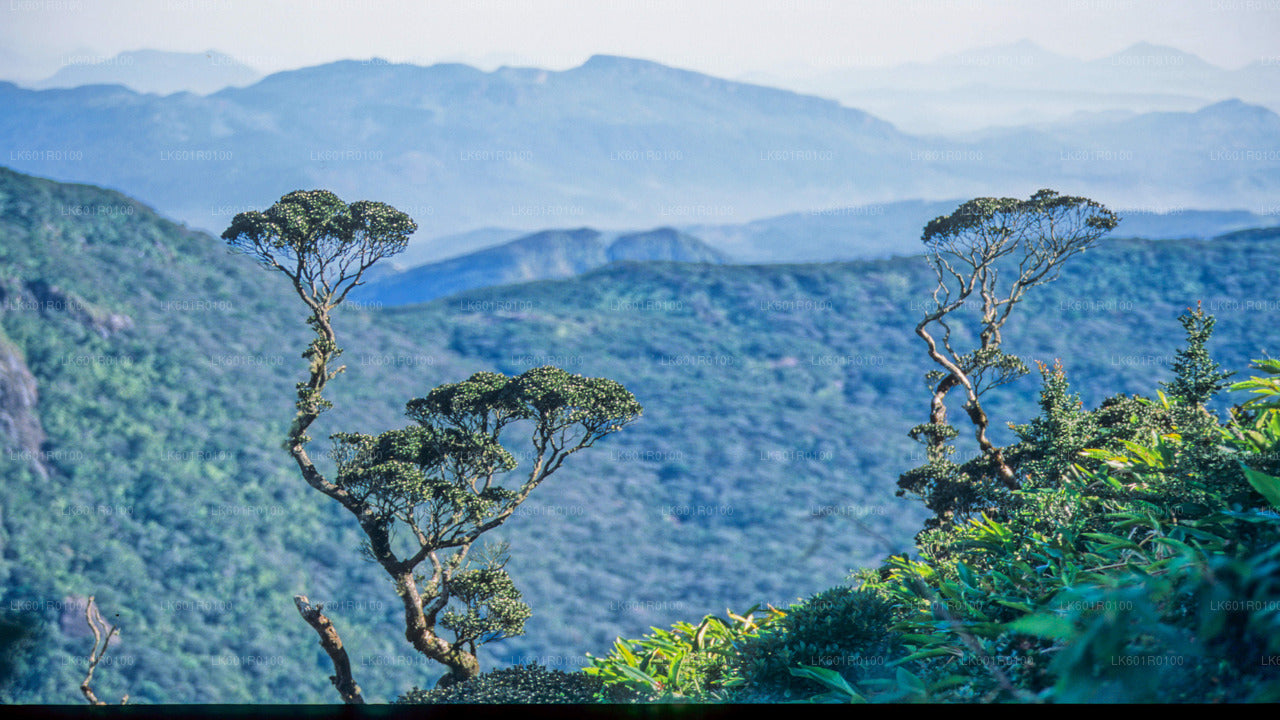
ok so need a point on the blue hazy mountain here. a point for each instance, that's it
(841, 234)
(551, 254)
(856, 233)
(889, 229)
(444, 247)
(615, 142)
(154, 71)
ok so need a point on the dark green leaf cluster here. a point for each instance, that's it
(1013, 219)
(399, 470)
(448, 468)
(519, 685)
(1197, 377)
(553, 397)
(323, 245)
(316, 223)
(493, 607)
(842, 629)
(1051, 443)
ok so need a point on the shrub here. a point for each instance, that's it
(840, 629)
(522, 685)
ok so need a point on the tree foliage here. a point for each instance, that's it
(1136, 562)
(322, 244)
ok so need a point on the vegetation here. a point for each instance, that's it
(522, 684)
(1123, 554)
(164, 484)
(842, 629)
(324, 247)
(1145, 571)
(684, 663)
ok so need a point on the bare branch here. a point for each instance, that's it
(102, 634)
(332, 644)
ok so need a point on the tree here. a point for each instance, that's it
(425, 493)
(1197, 377)
(974, 252)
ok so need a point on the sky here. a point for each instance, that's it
(729, 38)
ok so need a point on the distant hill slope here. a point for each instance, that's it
(615, 142)
(865, 232)
(777, 400)
(546, 255)
(888, 229)
(422, 251)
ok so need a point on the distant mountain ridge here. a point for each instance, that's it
(1022, 83)
(154, 71)
(615, 142)
(546, 255)
(834, 235)
(889, 229)
(868, 231)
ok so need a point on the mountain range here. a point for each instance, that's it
(614, 143)
(1022, 83)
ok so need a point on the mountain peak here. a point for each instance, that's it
(578, 234)
(1237, 109)
(620, 63)
(664, 243)
(1145, 54)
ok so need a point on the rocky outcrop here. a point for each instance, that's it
(51, 298)
(48, 299)
(20, 428)
(21, 433)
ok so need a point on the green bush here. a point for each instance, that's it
(841, 629)
(519, 685)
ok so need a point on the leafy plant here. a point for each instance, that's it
(686, 663)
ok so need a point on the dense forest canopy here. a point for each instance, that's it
(159, 360)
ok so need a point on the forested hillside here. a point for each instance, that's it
(777, 401)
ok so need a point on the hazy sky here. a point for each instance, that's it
(723, 37)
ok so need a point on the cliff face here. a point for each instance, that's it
(46, 297)
(20, 428)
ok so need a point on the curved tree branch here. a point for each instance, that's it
(332, 644)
